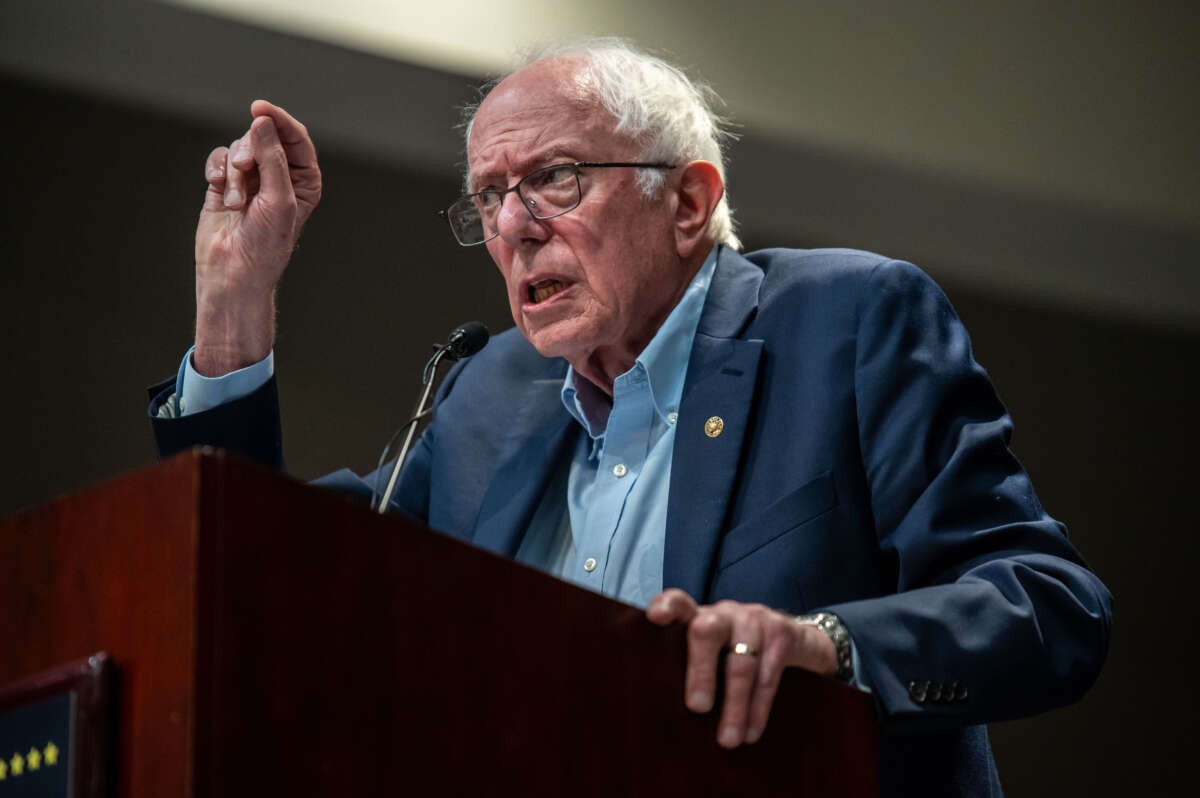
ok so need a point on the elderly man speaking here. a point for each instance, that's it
(793, 452)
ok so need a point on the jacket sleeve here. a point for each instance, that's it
(248, 426)
(995, 614)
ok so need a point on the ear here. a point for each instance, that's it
(700, 189)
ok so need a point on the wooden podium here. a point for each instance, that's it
(271, 638)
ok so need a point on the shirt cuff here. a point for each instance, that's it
(859, 679)
(197, 393)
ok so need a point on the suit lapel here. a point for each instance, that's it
(721, 378)
(536, 445)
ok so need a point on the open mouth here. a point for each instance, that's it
(544, 289)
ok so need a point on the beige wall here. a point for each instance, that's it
(1053, 110)
(1087, 102)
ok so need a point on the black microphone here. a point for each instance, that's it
(465, 340)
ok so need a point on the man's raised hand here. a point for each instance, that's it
(261, 190)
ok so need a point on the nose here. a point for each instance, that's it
(515, 223)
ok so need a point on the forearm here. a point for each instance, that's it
(989, 595)
(1011, 637)
(233, 330)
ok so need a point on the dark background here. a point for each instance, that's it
(96, 302)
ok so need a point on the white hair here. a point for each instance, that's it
(653, 103)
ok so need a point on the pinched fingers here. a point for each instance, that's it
(297, 144)
(268, 155)
(300, 154)
(256, 167)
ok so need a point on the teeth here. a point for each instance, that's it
(544, 290)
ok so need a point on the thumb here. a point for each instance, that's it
(276, 185)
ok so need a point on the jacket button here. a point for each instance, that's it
(935, 692)
(917, 691)
(960, 691)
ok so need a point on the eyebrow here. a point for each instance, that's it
(529, 165)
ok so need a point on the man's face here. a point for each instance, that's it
(595, 284)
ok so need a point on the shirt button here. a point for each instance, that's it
(672, 418)
(589, 564)
(619, 470)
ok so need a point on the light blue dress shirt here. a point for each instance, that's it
(195, 393)
(609, 537)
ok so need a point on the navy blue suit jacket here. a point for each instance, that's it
(863, 468)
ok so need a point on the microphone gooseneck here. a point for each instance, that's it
(464, 341)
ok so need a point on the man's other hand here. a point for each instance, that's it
(261, 190)
(771, 641)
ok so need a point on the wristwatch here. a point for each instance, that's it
(832, 626)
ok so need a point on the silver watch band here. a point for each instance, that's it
(832, 626)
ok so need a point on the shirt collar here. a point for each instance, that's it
(663, 361)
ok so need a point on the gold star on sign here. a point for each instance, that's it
(34, 759)
(16, 764)
(51, 752)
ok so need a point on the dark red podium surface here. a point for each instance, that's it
(272, 638)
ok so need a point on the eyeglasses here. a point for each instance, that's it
(545, 193)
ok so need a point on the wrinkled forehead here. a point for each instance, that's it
(535, 115)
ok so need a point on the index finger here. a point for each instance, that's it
(297, 144)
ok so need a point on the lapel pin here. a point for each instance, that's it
(714, 426)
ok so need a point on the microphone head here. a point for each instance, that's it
(466, 340)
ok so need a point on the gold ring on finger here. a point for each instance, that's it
(745, 648)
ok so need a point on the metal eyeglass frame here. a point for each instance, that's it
(575, 166)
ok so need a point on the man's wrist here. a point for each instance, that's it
(229, 339)
(215, 362)
(833, 628)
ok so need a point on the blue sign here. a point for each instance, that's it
(35, 748)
